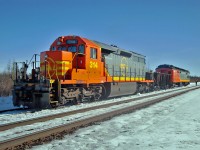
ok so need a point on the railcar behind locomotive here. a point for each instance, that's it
(76, 69)
(178, 76)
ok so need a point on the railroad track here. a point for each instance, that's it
(11, 125)
(35, 110)
(31, 110)
(38, 137)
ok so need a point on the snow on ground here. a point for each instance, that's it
(172, 124)
(64, 120)
(139, 130)
(6, 103)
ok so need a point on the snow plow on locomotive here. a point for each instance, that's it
(76, 69)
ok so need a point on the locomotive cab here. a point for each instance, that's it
(72, 58)
(73, 66)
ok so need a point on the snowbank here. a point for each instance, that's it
(6, 103)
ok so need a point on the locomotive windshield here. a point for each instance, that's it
(62, 48)
(72, 49)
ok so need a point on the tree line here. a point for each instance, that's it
(6, 80)
(194, 79)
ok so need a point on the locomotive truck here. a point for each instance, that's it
(76, 69)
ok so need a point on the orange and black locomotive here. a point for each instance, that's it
(75, 69)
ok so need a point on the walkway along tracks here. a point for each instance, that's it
(11, 125)
(56, 132)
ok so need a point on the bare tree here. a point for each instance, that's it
(6, 82)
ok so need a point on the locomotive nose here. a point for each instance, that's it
(55, 64)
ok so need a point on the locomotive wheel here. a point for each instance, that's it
(74, 101)
(54, 105)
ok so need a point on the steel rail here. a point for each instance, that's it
(11, 125)
(26, 141)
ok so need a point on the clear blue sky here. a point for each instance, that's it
(165, 31)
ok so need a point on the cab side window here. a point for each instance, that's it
(93, 53)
